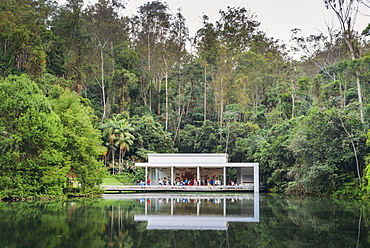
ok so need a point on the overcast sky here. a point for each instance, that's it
(277, 17)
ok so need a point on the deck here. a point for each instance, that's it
(164, 188)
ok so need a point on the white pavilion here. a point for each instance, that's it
(200, 166)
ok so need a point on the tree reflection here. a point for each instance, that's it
(284, 222)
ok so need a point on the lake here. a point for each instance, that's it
(186, 220)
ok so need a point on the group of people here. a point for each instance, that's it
(187, 182)
(142, 183)
(193, 182)
(164, 181)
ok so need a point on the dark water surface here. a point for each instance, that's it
(186, 220)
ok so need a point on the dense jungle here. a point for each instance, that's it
(86, 92)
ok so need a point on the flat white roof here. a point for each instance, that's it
(191, 160)
(195, 165)
(188, 155)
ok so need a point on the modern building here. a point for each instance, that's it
(200, 169)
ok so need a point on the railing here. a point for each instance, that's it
(177, 188)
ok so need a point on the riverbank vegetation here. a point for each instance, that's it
(85, 92)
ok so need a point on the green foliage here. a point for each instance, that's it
(44, 139)
(117, 135)
(238, 93)
(276, 158)
(325, 143)
(150, 136)
(32, 160)
(82, 139)
(24, 38)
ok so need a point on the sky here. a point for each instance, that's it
(277, 17)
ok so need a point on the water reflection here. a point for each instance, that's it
(195, 212)
(116, 221)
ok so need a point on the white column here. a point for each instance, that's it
(256, 181)
(198, 173)
(146, 175)
(156, 176)
(224, 176)
(172, 181)
(172, 200)
(224, 207)
(256, 206)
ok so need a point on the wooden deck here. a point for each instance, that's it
(156, 188)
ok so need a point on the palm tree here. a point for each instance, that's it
(118, 134)
(124, 139)
(110, 129)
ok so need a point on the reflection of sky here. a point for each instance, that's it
(195, 212)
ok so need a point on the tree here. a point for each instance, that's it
(106, 30)
(83, 148)
(149, 137)
(161, 43)
(118, 133)
(125, 140)
(32, 161)
(125, 80)
(24, 37)
(110, 130)
(69, 25)
(346, 11)
(327, 145)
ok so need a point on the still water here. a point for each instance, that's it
(186, 220)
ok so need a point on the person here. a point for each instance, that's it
(149, 181)
(218, 182)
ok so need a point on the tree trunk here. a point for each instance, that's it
(159, 99)
(102, 84)
(113, 152)
(354, 151)
(293, 100)
(166, 77)
(360, 99)
(205, 93)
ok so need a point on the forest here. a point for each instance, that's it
(86, 92)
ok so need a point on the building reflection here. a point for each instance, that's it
(197, 212)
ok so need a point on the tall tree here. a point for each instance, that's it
(69, 25)
(221, 44)
(106, 30)
(173, 53)
(152, 25)
(24, 38)
(346, 12)
(208, 50)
